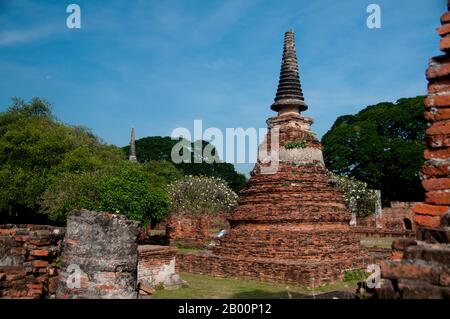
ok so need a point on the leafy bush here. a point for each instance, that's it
(131, 194)
(201, 195)
(358, 197)
(295, 144)
(51, 168)
(355, 274)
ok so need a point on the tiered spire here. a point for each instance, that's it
(289, 94)
(132, 156)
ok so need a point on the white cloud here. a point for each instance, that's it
(16, 37)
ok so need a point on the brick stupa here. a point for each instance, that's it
(291, 224)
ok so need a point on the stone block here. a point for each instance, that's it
(437, 197)
(437, 101)
(103, 249)
(427, 221)
(432, 210)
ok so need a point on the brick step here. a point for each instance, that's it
(439, 254)
(434, 235)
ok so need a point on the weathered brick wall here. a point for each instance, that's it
(156, 263)
(28, 260)
(265, 269)
(191, 230)
(103, 247)
(435, 171)
(156, 266)
(397, 220)
(422, 268)
(377, 232)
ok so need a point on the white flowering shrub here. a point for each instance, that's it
(358, 197)
(201, 195)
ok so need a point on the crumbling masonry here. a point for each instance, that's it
(291, 224)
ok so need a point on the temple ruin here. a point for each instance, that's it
(132, 157)
(291, 224)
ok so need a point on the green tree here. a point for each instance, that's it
(48, 168)
(130, 193)
(157, 148)
(381, 145)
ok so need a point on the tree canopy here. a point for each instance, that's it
(156, 148)
(381, 145)
(48, 168)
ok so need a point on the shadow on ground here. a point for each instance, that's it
(261, 294)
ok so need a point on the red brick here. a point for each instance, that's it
(437, 154)
(439, 128)
(439, 86)
(7, 231)
(14, 270)
(433, 210)
(445, 18)
(146, 289)
(40, 263)
(439, 115)
(445, 44)
(35, 286)
(438, 141)
(13, 277)
(427, 221)
(438, 70)
(437, 101)
(39, 252)
(39, 270)
(444, 279)
(396, 255)
(443, 30)
(439, 198)
(20, 238)
(436, 170)
(39, 242)
(434, 184)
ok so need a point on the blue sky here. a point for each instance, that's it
(158, 65)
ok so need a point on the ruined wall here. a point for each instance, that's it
(400, 216)
(156, 263)
(265, 269)
(422, 268)
(190, 230)
(395, 221)
(156, 266)
(101, 250)
(29, 260)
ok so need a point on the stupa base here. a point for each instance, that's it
(305, 273)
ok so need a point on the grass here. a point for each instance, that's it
(207, 287)
(377, 242)
(183, 250)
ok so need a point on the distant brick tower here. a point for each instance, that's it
(291, 224)
(132, 157)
